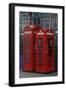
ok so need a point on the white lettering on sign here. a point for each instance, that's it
(29, 32)
(40, 33)
(49, 33)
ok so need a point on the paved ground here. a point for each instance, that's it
(28, 74)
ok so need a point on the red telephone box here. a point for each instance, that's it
(45, 51)
(29, 47)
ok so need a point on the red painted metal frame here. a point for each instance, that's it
(31, 29)
(47, 65)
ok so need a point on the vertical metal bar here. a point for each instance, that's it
(30, 14)
(50, 21)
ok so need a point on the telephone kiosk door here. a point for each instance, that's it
(28, 51)
(41, 62)
(50, 52)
